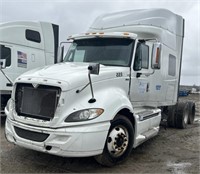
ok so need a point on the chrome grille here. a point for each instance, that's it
(40, 102)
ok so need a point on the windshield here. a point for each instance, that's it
(106, 51)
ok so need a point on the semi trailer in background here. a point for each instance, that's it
(24, 46)
(115, 85)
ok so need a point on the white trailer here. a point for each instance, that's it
(24, 46)
(107, 96)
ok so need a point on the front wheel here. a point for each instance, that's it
(119, 142)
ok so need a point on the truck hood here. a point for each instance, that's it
(74, 74)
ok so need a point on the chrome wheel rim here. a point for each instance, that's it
(117, 141)
(186, 117)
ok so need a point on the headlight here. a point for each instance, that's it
(84, 115)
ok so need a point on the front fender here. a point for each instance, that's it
(115, 101)
(111, 98)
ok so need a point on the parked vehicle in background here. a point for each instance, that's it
(183, 93)
(25, 46)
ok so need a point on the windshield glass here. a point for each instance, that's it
(106, 51)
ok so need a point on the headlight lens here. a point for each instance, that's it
(84, 115)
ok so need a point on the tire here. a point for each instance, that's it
(191, 112)
(119, 142)
(171, 116)
(182, 115)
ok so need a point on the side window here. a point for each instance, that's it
(172, 65)
(141, 57)
(145, 56)
(33, 36)
(5, 53)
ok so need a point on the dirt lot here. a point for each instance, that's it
(172, 151)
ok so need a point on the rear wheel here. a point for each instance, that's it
(182, 115)
(119, 142)
(191, 112)
(171, 116)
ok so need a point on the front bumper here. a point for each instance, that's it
(77, 141)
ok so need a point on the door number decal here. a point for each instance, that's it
(119, 74)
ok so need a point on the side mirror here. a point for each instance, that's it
(94, 68)
(60, 54)
(156, 55)
(2, 63)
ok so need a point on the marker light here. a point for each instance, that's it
(126, 34)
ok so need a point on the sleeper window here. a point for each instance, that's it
(33, 36)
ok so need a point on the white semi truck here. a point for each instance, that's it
(24, 45)
(108, 94)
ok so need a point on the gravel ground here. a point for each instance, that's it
(172, 151)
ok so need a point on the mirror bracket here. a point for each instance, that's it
(60, 54)
(2, 63)
(92, 69)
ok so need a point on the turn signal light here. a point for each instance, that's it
(126, 34)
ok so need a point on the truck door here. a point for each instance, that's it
(139, 89)
(147, 77)
(143, 80)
